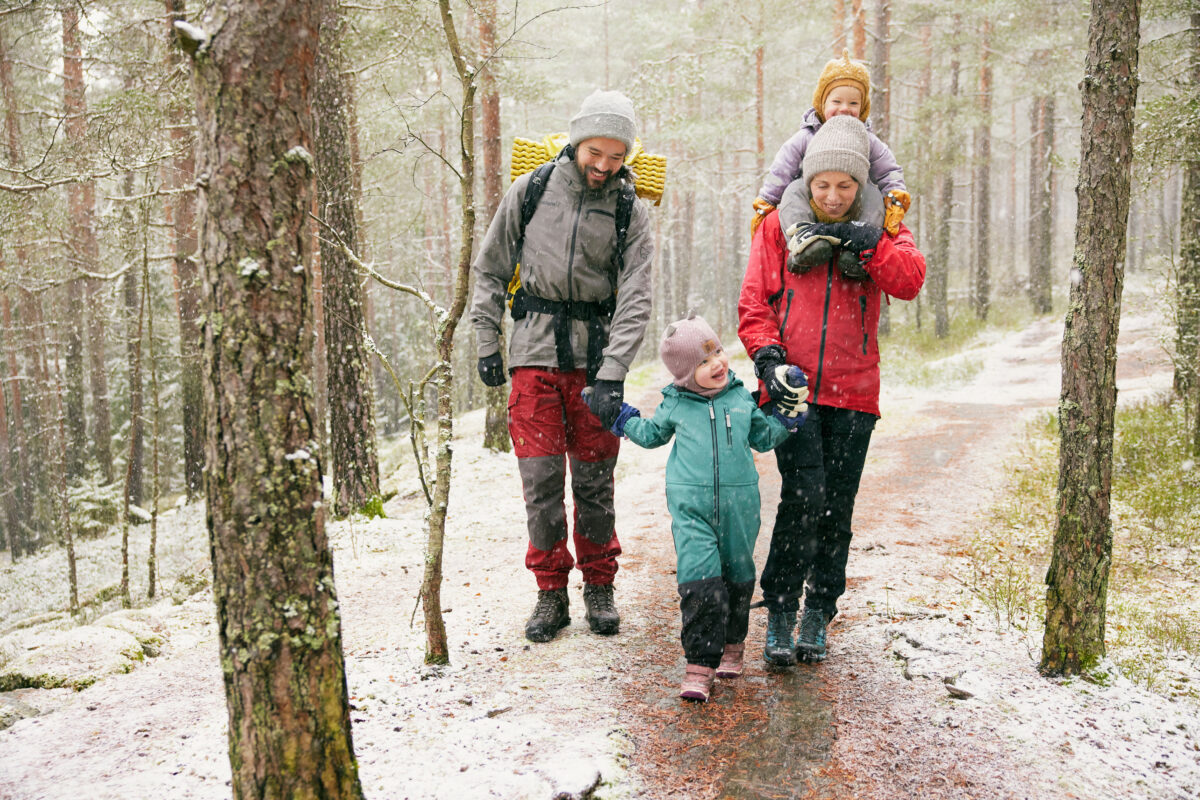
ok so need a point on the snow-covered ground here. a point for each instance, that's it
(569, 718)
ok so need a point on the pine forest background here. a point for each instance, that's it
(99, 350)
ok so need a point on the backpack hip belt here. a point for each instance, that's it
(563, 312)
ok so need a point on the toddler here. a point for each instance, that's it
(843, 88)
(712, 491)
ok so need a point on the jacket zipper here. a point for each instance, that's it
(571, 255)
(862, 304)
(728, 429)
(787, 310)
(712, 422)
(816, 388)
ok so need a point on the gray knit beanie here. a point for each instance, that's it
(841, 144)
(605, 114)
(684, 345)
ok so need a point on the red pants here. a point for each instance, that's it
(551, 426)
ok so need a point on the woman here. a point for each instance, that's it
(817, 308)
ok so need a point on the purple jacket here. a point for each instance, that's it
(885, 172)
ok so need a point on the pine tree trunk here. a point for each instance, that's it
(133, 355)
(839, 27)
(1187, 302)
(495, 429)
(181, 209)
(1041, 199)
(352, 416)
(983, 180)
(858, 24)
(1077, 581)
(18, 506)
(881, 105)
(152, 557)
(277, 614)
(939, 270)
(85, 254)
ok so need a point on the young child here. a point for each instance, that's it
(712, 492)
(843, 88)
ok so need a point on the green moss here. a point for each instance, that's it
(373, 508)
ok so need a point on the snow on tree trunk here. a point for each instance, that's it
(939, 269)
(1077, 581)
(277, 612)
(355, 462)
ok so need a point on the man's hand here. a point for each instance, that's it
(605, 401)
(491, 370)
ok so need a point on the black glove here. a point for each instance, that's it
(857, 237)
(851, 266)
(771, 369)
(491, 370)
(605, 401)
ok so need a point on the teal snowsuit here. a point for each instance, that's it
(712, 495)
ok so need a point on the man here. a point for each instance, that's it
(580, 313)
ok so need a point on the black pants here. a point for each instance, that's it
(820, 467)
(715, 613)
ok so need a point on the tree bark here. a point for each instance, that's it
(939, 272)
(277, 613)
(858, 24)
(1041, 199)
(881, 104)
(352, 416)
(495, 429)
(1187, 303)
(839, 27)
(85, 254)
(134, 471)
(981, 300)
(1077, 581)
(181, 209)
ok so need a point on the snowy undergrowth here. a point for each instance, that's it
(1152, 635)
(37, 585)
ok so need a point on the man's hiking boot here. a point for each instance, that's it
(697, 683)
(780, 650)
(549, 615)
(731, 660)
(602, 614)
(810, 645)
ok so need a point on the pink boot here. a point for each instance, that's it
(697, 682)
(731, 661)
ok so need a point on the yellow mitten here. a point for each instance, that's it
(896, 204)
(761, 209)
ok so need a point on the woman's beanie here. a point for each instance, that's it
(843, 72)
(684, 345)
(839, 145)
(608, 115)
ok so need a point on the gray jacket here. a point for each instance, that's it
(567, 256)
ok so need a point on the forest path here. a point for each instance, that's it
(856, 726)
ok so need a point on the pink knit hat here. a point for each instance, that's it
(684, 345)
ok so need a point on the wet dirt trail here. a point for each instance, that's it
(853, 726)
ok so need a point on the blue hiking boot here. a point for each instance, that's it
(780, 650)
(810, 645)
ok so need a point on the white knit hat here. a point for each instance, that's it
(840, 145)
(608, 115)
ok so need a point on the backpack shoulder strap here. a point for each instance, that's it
(534, 192)
(624, 214)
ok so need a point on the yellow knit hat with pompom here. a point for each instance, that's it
(843, 72)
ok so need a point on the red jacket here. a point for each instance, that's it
(828, 325)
